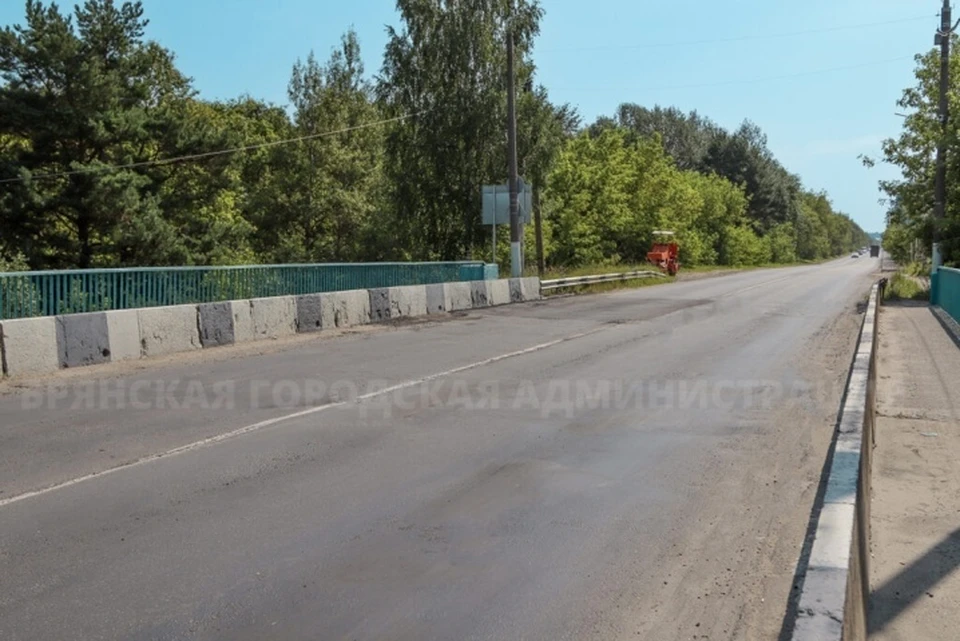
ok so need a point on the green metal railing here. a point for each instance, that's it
(48, 293)
(945, 290)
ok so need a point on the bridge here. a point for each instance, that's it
(640, 463)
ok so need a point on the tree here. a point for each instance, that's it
(87, 96)
(744, 159)
(328, 187)
(444, 72)
(115, 160)
(914, 151)
(686, 137)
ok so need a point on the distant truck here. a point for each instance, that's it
(874, 251)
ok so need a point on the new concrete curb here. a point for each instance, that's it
(42, 345)
(833, 601)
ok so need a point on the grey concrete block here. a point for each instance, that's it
(457, 296)
(379, 304)
(169, 330)
(216, 324)
(479, 293)
(345, 309)
(499, 291)
(436, 300)
(516, 290)
(123, 330)
(531, 288)
(310, 313)
(242, 311)
(29, 346)
(408, 301)
(83, 339)
(834, 537)
(273, 317)
(821, 610)
(844, 479)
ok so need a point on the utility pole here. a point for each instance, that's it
(940, 183)
(516, 261)
(538, 227)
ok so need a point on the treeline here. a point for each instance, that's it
(726, 196)
(109, 157)
(911, 198)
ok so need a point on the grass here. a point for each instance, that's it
(902, 286)
(917, 268)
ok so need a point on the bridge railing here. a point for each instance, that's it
(47, 293)
(945, 290)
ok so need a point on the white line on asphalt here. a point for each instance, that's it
(286, 417)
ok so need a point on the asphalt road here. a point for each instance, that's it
(636, 464)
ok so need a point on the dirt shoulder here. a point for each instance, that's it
(915, 519)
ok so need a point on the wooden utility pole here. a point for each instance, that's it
(516, 260)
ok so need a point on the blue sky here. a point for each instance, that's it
(598, 54)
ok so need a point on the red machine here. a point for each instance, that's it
(665, 253)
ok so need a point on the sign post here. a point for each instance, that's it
(496, 207)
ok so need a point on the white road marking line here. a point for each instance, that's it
(286, 417)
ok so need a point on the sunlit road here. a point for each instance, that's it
(638, 464)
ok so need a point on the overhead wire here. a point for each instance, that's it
(209, 154)
(274, 143)
(760, 36)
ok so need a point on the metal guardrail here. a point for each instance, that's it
(48, 293)
(574, 281)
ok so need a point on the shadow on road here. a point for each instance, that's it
(950, 331)
(914, 582)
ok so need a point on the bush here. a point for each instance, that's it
(902, 286)
(15, 264)
(741, 246)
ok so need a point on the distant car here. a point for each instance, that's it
(854, 255)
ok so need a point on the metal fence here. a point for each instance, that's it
(945, 290)
(575, 281)
(47, 293)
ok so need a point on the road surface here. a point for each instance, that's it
(636, 464)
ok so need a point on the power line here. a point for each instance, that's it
(744, 81)
(209, 154)
(763, 36)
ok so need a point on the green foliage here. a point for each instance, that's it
(328, 186)
(447, 66)
(911, 197)
(741, 246)
(782, 242)
(380, 169)
(905, 287)
(15, 263)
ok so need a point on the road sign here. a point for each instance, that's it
(496, 204)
